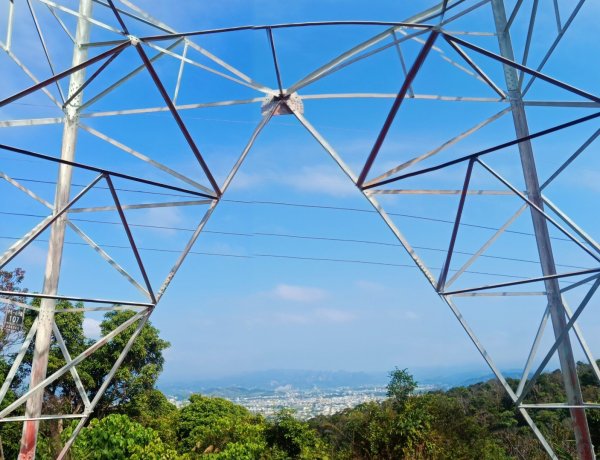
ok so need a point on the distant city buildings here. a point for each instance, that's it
(305, 403)
(308, 404)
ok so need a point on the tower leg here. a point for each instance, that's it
(585, 449)
(55, 247)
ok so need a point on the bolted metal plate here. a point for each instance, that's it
(287, 103)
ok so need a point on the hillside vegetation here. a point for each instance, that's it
(134, 420)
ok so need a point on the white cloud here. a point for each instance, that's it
(91, 328)
(334, 316)
(588, 180)
(165, 217)
(246, 181)
(318, 179)
(33, 255)
(287, 318)
(411, 315)
(317, 316)
(324, 180)
(370, 286)
(298, 293)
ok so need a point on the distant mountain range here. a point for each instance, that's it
(272, 380)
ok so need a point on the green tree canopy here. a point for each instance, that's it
(401, 385)
(152, 409)
(292, 438)
(211, 425)
(117, 437)
(138, 372)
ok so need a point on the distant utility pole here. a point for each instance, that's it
(585, 449)
(57, 237)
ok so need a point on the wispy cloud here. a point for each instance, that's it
(166, 217)
(91, 328)
(316, 316)
(411, 315)
(33, 255)
(332, 315)
(370, 286)
(320, 179)
(298, 293)
(292, 318)
(585, 180)
(324, 180)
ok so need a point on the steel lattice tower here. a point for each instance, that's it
(102, 33)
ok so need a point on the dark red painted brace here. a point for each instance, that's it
(396, 106)
(178, 119)
(66, 73)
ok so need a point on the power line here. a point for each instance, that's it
(116, 246)
(291, 236)
(276, 256)
(398, 245)
(145, 192)
(313, 206)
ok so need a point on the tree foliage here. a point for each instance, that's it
(117, 437)
(289, 437)
(139, 371)
(401, 385)
(136, 377)
(152, 409)
(211, 425)
(135, 420)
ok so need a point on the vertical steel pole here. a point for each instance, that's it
(585, 449)
(57, 237)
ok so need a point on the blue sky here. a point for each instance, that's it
(257, 302)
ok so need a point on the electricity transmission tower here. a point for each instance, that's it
(492, 44)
